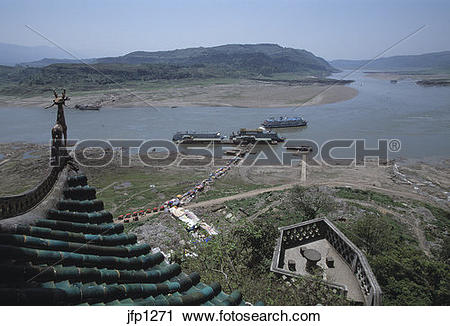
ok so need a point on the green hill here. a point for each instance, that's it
(255, 58)
(228, 59)
(233, 61)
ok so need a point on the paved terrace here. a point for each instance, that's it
(349, 271)
(339, 274)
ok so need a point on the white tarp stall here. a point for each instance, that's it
(190, 219)
(208, 228)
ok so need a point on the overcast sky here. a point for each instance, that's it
(333, 29)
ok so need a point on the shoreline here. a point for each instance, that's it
(243, 94)
(400, 76)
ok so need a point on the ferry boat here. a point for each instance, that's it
(196, 137)
(254, 135)
(284, 122)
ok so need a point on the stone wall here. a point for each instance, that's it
(15, 205)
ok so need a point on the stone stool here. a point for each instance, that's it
(330, 262)
(291, 265)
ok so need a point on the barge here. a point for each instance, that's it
(197, 137)
(256, 135)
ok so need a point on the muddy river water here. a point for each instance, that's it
(417, 116)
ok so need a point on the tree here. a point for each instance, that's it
(372, 232)
(444, 254)
(310, 201)
(257, 240)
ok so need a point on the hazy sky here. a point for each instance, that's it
(332, 29)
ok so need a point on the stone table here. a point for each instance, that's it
(312, 258)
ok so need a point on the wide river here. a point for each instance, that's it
(417, 116)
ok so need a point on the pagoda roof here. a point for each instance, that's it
(76, 255)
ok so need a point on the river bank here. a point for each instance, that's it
(420, 78)
(241, 93)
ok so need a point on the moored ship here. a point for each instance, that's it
(197, 137)
(254, 135)
(87, 107)
(284, 122)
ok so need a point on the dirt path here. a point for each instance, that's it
(253, 193)
(4, 161)
(243, 195)
(400, 193)
(107, 187)
(221, 200)
(413, 222)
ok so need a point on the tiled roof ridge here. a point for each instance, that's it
(77, 255)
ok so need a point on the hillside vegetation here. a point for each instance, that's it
(258, 58)
(227, 61)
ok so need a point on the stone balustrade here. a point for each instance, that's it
(317, 229)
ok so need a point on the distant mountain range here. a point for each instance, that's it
(254, 61)
(50, 61)
(428, 61)
(259, 58)
(12, 54)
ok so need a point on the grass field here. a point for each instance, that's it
(127, 189)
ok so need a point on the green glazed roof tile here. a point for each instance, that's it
(77, 256)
